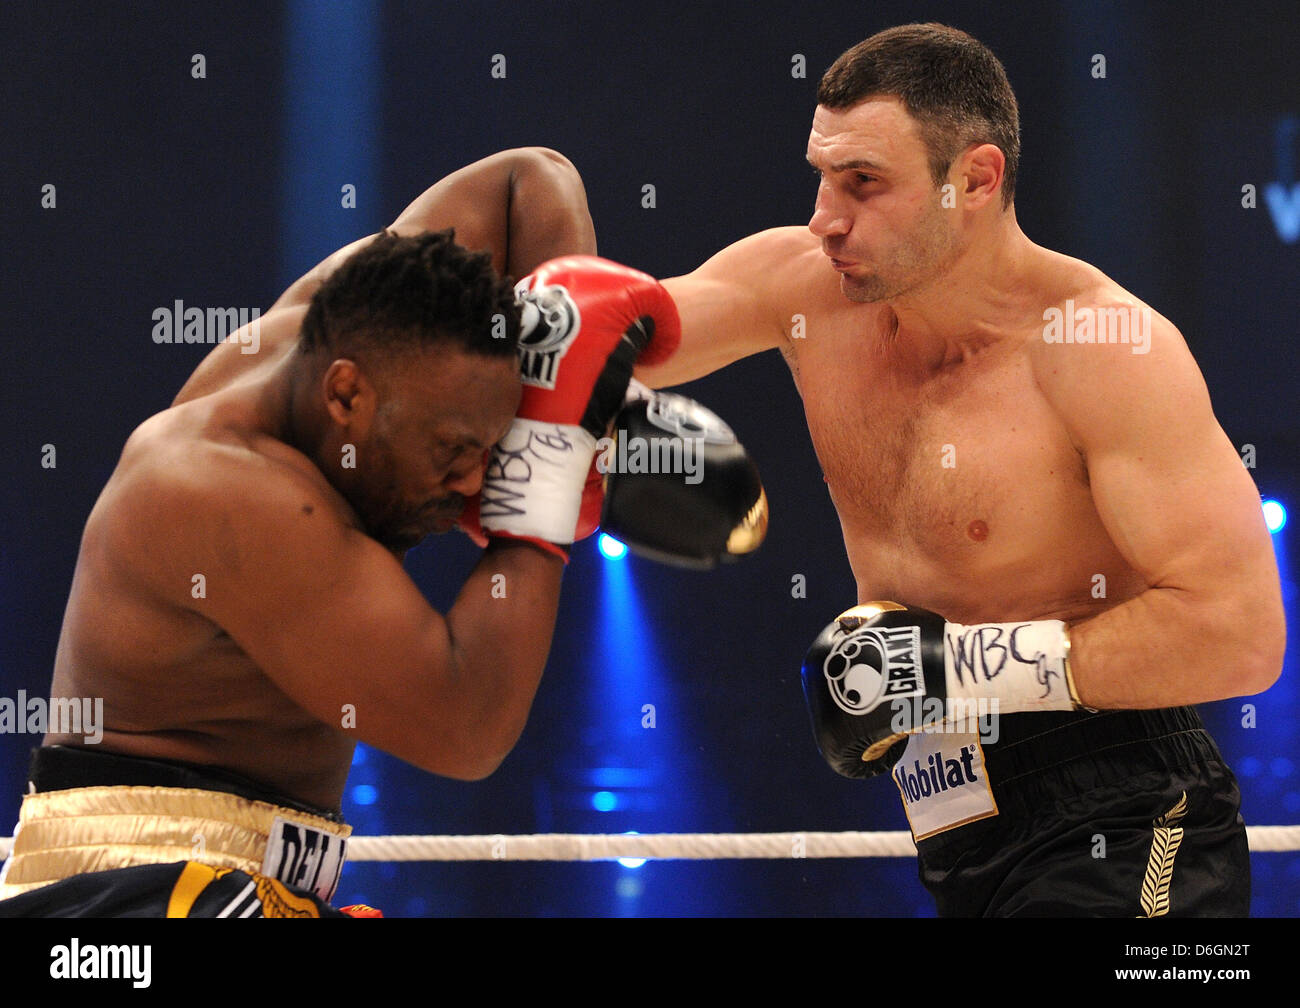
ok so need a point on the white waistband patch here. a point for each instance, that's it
(942, 779)
(300, 855)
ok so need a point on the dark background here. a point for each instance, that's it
(220, 191)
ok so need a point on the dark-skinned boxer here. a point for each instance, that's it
(239, 601)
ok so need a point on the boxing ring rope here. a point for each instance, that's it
(676, 846)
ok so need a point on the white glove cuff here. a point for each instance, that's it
(1019, 666)
(534, 481)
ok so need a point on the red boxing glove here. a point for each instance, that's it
(586, 322)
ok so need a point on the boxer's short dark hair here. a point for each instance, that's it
(410, 292)
(951, 85)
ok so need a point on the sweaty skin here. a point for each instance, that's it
(979, 470)
(233, 609)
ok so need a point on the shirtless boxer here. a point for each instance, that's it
(990, 471)
(239, 603)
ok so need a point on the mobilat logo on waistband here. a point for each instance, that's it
(938, 775)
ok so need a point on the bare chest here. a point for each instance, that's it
(955, 486)
(922, 456)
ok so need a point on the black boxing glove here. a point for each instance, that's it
(679, 488)
(882, 671)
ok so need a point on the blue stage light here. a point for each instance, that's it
(364, 794)
(1274, 515)
(604, 801)
(611, 547)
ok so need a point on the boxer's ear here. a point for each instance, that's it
(981, 170)
(350, 397)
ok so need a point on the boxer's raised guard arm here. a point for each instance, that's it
(1183, 511)
(522, 206)
(332, 619)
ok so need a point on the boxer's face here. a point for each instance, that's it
(424, 447)
(878, 211)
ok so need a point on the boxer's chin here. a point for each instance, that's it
(863, 290)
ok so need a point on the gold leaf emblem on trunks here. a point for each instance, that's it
(1165, 841)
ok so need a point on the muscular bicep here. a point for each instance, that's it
(1167, 483)
(734, 305)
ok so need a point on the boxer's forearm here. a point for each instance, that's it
(1169, 647)
(500, 630)
(548, 214)
(523, 206)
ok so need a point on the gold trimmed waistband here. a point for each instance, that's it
(80, 830)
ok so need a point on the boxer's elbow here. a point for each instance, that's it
(479, 758)
(480, 697)
(469, 772)
(548, 211)
(1264, 648)
(1238, 640)
(479, 747)
(546, 159)
(465, 760)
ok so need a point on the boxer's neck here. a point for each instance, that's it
(978, 299)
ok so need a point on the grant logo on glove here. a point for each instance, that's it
(550, 321)
(869, 665)
(575, 366)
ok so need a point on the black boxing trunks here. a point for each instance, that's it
(1114, 814)
(101, 834)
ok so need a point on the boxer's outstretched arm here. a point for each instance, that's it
(733, 305)
(329, 616)
(524, 206)
(1184, 512)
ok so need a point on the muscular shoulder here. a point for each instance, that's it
(781, 244)
(1099, 351)
(779, 260)
(191, 496)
